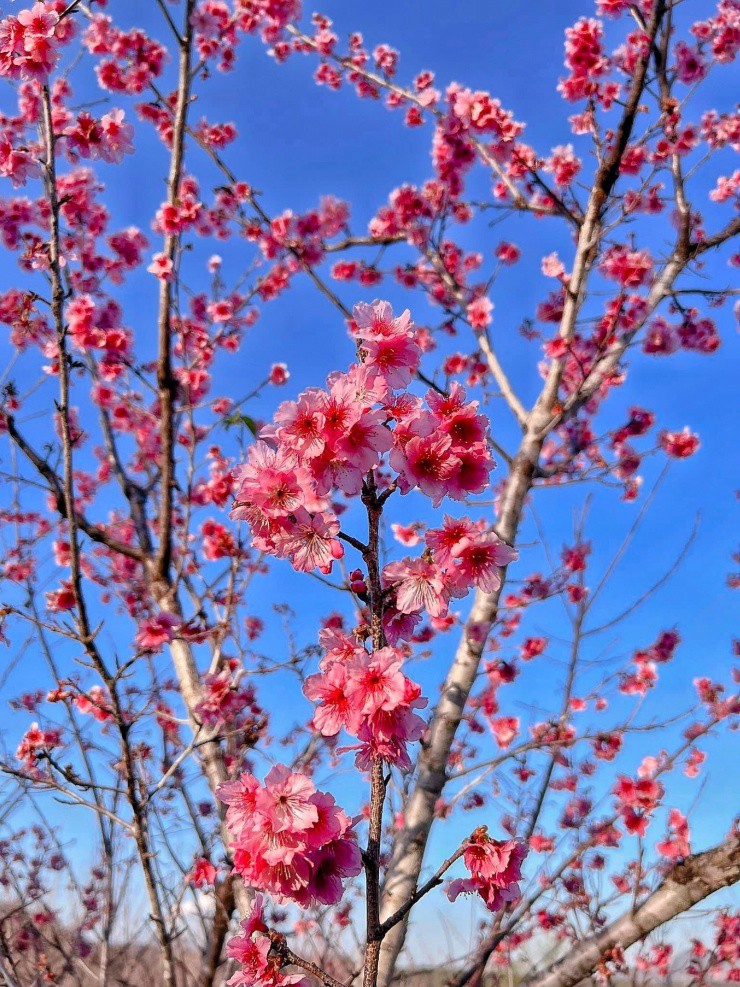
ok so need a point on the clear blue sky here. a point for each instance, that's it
(298, 142)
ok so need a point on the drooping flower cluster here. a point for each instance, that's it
(327, 441)
(202, 873)
(108, 138)
(459, 555)
(677, 844)
(722, 31)
(290, 839)
(495, 868)
(261, 966)
(367, 695)
(443, 451)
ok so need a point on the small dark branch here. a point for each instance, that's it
(354, 542)
(286, 954)
(434, 881)
(716, 240)
(166, 381)
(224, 905)
(171, 24)
(69, 9)
(378, 781)
(364, 241)
(93, 532)
(430, 383)
(608, 173)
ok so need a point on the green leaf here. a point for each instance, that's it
(239, 419)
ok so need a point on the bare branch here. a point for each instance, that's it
(686, 885)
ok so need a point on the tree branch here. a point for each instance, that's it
(686, 885)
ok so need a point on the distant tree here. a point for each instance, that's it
(141, 505)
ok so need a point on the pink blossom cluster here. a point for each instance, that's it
(289, 235)
(225, 698)
(710, 693)
(130, 60)
(630, 268)
(690, 65)
(471, 118)
(658, 960)
(443, 450)
(495, 868)
(407, 210)
(564, 165)
(367, 695)
(585, 59)
(202, 873)
(612, 8)
(29, 42)
(677, 844)
(679, 445)
(269, 17)
(721, 32)
(108, 138)
(154, 632)
(290, 839)
(16, 163)
(261, 966)
(327, 441)
(727, 188)
(217, 27)
(720, 129)
(645, 674)
(636, 801)
(471, 365)
(662, 650)
(721, 960)
(34, 743)
(483, 114)
(96, 703)
(460, 555)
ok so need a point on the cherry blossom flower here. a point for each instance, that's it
(336, 709)
(286, 800)
(636, 801)
(202, 873)
(376, 681)
(677, 844)
(419, 585)
(161, 267)
(279, 374)
(154, 632)
(479, 312)
(679, 445)
(368, 696)
(479, 560)
(631, 268)
(495, 869)
(289, 839)
(690, 66)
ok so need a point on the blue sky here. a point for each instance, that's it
(299, 142)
